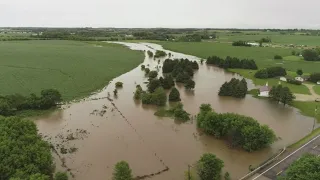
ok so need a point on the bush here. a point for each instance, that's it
(143, 67)
(122, 171)
(150, 54)
(119, 84)
(293, 81)
(174, 95)
(160, 54)
(314, 77)
(299, 72)
(167, 82)
(209, 167)
(153, 74)
(138, 93)
(147, 71)
(277, 57)
(240, 130)
(153, 85)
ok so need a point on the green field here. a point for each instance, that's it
(299, 89)
(316, 88)
(74, 68)
(308, 108)
(262, 55)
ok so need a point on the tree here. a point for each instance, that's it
(305, 168)
(174, 95)
(167, 82)
(227, 176)
(315, 77)
(153, 85)
(49, 98)
(122, 171)
(293, 53)
(234, 88)
(299, 72)
(190, 84)
(150, 54)
(61, 176)
(153, 74)
(286, 96)
(146, 71)
(119, 84)
(277, 57)
(310, 55)
(143, 67)
(19, 143)
(261, 74)
(5, 109)
(138, 93)
(209, 167)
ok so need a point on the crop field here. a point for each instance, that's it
(263, 56)
(74, 68)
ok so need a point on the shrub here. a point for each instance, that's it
(310, 55)
(138, 93)
(261, 74)
(167, 82)
(61, 176)
(190, 84)
(174, 95)
(293, 81)
(150, 54)
(277, 57)
(299, 72)
(160, 54)
(153, 85)
(315, 77)
(119, 84)
(158, 97)
(147, 71)
(143, 67)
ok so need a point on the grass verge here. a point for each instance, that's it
(307, 108)
(305, 139)
(316, 89)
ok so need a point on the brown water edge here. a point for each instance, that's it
(108, 130)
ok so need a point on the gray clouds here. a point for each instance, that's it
(161, 13)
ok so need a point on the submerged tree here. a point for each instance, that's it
(174, 95)
(209, 167)
(122, 171)
(190, 84)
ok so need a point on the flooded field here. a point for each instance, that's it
(103, 129)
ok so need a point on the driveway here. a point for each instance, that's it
(304, 97)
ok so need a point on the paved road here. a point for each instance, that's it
(279, 167)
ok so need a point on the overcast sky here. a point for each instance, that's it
(161, 13)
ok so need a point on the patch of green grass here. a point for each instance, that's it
(316, 89)
(305, 139)
(254, 92)
(74, 68)
(34, 113)
(293, 58)
(262, 55)
(299, 89)
(307, 108)
(163, 112)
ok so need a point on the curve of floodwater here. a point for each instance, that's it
(104, 129)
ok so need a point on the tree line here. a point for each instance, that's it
(311, 54)
(234, 88)
(240, 130)
(24, 155)
(241, 43)
(11, 104)
(232, 62)
(281, 94)
(270, 72)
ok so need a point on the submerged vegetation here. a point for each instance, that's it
(232, 62)
(234, 88)
(177, 112)
(241, 131)
(160, 54)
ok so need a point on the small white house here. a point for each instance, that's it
(264, 91)
(318, 82)
(283, 79)
(298, 78)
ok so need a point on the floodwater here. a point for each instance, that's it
(107, 130)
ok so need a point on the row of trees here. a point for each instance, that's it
(241, 43)
(281, 94)
(11, 104)
(240, 130)
(232, 62)
(270, 72)
(24, 155)
(234, 88)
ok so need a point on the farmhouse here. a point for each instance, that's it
(264, 91)
(283, 79)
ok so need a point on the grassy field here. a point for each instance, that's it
(308, 108)
(317, 89)
(262, 56)
(300, 89)
(74, 68)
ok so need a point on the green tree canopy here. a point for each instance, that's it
(61, 176)
(209, 167)
(174, 95)
(122, 171)
(299, 72)
(153, 74)
(23, 153)
(305, 168)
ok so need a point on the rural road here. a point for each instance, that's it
(278, 168)
(305, 97)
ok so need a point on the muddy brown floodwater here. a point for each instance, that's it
(103, 131)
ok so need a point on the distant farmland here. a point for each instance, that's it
(74, 68)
